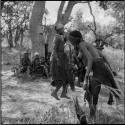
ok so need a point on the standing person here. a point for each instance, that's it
(102, 74)
(70, 77)
(58, 63)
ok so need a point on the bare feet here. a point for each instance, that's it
(55, 96)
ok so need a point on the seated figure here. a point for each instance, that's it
(25, 62)
(38, 66)
(36, 63)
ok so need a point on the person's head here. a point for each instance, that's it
(59, 28)
(75, 37)
(36, 54)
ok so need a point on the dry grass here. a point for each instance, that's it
(115, 58)
(55, 116)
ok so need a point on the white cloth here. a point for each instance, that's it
(68, 47)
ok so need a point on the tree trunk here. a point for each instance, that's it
(10, 38)
(61, 18)
(17, 36)
(35, 27)
(21, 42)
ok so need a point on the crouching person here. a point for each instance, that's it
(102, 74)
(36, 63)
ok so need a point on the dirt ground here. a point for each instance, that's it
(31, 102)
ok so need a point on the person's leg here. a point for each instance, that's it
(109, 78)
(64, 91)
(72, 86)
(58, 86)
(106, 77)
(110, 100)
(95, 89)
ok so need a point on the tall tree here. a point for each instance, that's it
(63, 16)
(35, 27)
(15, 15)
(36, 20)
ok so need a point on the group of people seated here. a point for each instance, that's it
(36, 66)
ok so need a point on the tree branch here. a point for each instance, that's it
(108, 35)
(92, 15)
(59, 16)
(92, 30)
(68, 10)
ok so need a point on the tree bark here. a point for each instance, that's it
(17, 36)
(10, 38)
(64, 18)
(21, 42)
(35, 25)
(36, 19)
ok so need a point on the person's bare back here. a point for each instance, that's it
(94, 53)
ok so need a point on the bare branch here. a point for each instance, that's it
(68, 10)
(92, 30)
(60, 11)
(92, 15)
(107, 36)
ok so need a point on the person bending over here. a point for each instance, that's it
(102, 74)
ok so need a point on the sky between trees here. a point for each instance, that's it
(101, 17)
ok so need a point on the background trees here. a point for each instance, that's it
(20, 18)
(15, 20)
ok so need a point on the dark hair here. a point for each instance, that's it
(76, 35)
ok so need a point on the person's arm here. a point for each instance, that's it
(89, 59)
(56, 47)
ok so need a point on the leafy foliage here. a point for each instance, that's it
(15, 17)
(115, 9)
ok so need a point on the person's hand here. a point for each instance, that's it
(86, 78)
(85, 86)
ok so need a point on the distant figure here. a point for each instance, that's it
(102, 73)
(36, 63)
(58, 63)
(25, 62)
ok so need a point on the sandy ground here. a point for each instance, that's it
(31, 99)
